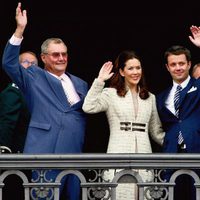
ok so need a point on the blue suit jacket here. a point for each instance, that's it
(55, 126)
(188, 122)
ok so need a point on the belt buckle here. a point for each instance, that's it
(183, 146)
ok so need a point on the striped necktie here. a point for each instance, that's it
(177, 100)
(176, 106)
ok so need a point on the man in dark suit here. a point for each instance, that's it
(54, 98)
(180, 112)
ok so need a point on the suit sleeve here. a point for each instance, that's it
(11, 65)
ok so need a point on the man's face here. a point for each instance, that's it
(27, 59)
(178, 67)
(55, 60)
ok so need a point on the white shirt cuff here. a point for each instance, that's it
(15, 41)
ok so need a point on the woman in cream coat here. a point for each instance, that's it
(131, 112)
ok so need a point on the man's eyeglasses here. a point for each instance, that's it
(28, 62)
(57, 54)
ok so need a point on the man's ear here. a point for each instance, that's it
(166, 65)
(189, 64)
(42, 57)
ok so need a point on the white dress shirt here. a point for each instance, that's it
(169, 103)
(15, 41)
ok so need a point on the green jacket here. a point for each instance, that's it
(14, 118)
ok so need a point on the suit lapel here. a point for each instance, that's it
(77, 86)
(185, 90)
(56, 86)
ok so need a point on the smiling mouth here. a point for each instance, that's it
(135, 78)
(179, 74)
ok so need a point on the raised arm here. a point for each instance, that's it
(195, 38)
(97, 99)
(10, 58)
(105, 72)
(21, 20)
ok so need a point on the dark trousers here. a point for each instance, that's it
(70, 185)
(184, 188)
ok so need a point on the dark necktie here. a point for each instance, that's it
(177, 100)
(176, 106)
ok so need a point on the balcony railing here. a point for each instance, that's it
(89, 168)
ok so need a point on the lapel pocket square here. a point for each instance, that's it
(192, 89)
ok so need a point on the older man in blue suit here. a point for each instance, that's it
(179, 111)
(54, 98)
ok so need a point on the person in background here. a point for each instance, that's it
(131, 112)
(14, 114)
(54, 98)
(14, 120)
(179, 107)
(196, 71)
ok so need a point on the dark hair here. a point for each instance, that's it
(118, 82)
(177, 50)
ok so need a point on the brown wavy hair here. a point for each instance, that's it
(117, 81)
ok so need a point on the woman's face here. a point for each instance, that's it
(132, 72)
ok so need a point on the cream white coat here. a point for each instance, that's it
(121, 109)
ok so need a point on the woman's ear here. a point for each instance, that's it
(121, 72)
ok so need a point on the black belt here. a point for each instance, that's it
(130, 126)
